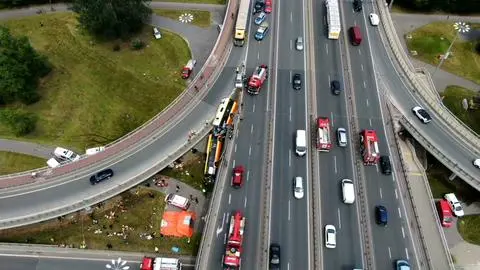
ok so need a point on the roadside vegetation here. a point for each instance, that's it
(188, 169)
(14, 162)
(122, 223)
(98, 91)
(432, 40)
(215, 2)
(452, 99)
(200, 18)
(469, 228)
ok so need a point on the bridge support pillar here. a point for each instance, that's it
(452, 176)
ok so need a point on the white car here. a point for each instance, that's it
(422, 114)
(93, 151)
(156, 33)
(299, 44)
(298, 187)
(476, 163)
(454, 204)
(374, 20)
(330, 236)
(342, 137)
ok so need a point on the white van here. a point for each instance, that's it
(301, 142)
(53, 163)
(65, 154)
(348, 191)
(178, 201)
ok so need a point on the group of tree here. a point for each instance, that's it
(448, 6)
(19, 3)
(112, 19)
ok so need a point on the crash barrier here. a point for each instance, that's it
(155, 127)
(463, 132)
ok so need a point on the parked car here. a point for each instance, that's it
(95, 150)
(260, 18)
(457, 208)
(101, 176)
(156, 33)
(261, 31)
(268, 6)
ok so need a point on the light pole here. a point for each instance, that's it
(460, 27)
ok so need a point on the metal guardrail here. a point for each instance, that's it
(464, 133)
(450, 164)
(163, 121)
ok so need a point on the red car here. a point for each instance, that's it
(237, 179)
(268, 6)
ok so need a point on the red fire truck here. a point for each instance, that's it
(234, 245)
(445, 213)
(324, 140)
(257, 79)
(369, 147)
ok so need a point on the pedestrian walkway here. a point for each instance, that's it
(198, 202)
(405, 23)
(419, 190)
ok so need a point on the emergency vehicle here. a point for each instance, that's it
(257, 79)
(369, 147)
(324, 140)
(233, 251)
(188, 68)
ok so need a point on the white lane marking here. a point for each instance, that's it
(250, 150)
(396, 195)
(328, 80)
(288, 210)
(291, 16)
(359, 52)
(224, 239)
(245, 203)
(290, 114)
(288, 266)
(368, 104)
(399, 212)
(381, 195)
(290, 77)
(289, 158)
(229, 198)
(406, 254)
(253, 108)
(251, 129)
(258, 55)
(235, 148)
(361, 66)
(370, 121)
(331, 117)
(364, 84)
(389, 253)
(339, 221)
(335, 163)
(403, 232)
(248, 175)
(291, 45)
(326, 48)
(376, 167)
(233, 163)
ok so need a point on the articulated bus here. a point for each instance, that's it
(241, 25)
(221, 112)
(232, 113)
(209, 149)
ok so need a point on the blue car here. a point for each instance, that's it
(402, 265)
(261, 31)
(260, 18)
(381, 215)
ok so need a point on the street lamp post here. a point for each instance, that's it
(460, 27)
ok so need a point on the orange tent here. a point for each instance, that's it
(179, 224)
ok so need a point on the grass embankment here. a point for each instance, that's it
(200, 18)
(96, 94)
(453, 96)
(215, 2)
(432, 40)
(132, 214)
(14, 162)
(469, 228)
(191, 172)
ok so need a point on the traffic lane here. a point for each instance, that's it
(31, 263)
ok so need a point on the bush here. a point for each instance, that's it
(20, 122)
(477, 47)
(137, 44)
(116, 47)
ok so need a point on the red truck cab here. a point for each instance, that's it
(445, 213)
(237, 178)
(147, 263)
(188, 68)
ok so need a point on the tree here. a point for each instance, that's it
(20, 69)
(111, 19)
(20, 122)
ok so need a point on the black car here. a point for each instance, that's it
(385, 165)
(100, 176)
(381, 215)
(357, 5)
(297, 81)
(259, 6)
(274, 256)
(335, 87)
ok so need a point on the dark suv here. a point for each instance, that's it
(335, 87)
(381, 215)
(385, 165)
(274, 256)
(297, 81)
(357, 5)
(259, 6)
(100, 176)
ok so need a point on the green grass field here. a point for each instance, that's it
(432, 40)
(14, 162)
(95, 95)
(194, 164)
(200, 18)
(140, 213)
(453, 96)
(215, 2)
(469, 228)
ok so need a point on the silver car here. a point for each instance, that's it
(299, 44)
(342, 137)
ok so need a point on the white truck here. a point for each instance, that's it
(160, 263)
(65, 154)
(333, 19)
